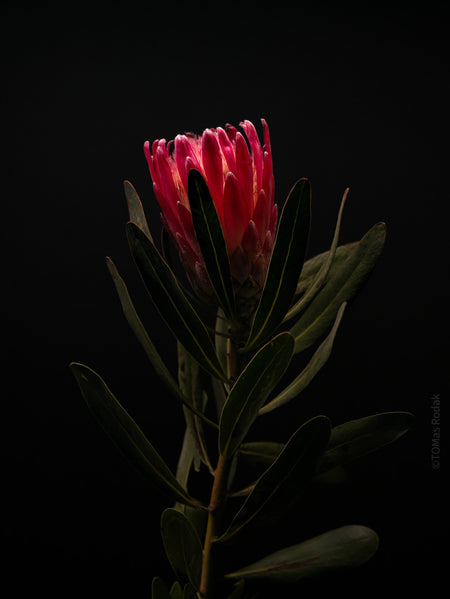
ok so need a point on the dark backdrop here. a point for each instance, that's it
(354, 96)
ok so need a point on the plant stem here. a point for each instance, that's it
(233, 361)
(217, 500)
(219, 489)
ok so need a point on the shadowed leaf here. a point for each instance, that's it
(182, 545)
(171, 303)
(285, 264)
(312, 266)
(321, 313)
(144, 339)
(282, 484)
(344, 547)
(159, 589)
(138, 329)
(189, 592)
(239, 591)
(357, 438)
(208, 231)
(261, 452)
(135, 209)
(251, 390)
(324, 270)
(318, 360)
(348, 442)
(126, 434)
(176, 591)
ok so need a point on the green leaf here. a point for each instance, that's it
(141, 334)
(322, 274)
(238, 591)
(321, 313)
(186, 457)
(208, 231)
(223, 350)
(189, 592)
(318, 360)
(190, 378)
(257, 456)
(182, 545)
(159, 589)
(280, 486)
(126, 434)
(171, 302)
(345, 547)
(348, 442)
(261, 452)
(176, 591)
(357, 438)
(312, 266)
(138, 329)
(251, 390)
(135, 209)
(285, 264)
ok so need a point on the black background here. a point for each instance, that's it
(355, 95)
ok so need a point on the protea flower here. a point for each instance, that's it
(239, 175)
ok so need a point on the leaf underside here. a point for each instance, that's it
(182, 545)
(285, 264)
(171, 302)
(126, 434)
(251, 390)
(282, 484)
(210, 238)
(347, 280)
(317, 361)
(344, 547)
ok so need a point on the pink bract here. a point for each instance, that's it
(239, 173)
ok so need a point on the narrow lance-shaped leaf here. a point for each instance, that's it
(171, 303)
(222, 341)
(345, 547)
(135, 209)
(261, 452)
(159, 589)
(313, 265)
(348, 442)
(318, 360)
(186, 458)
(189, 592)
(357, 438)
(190, 378)
(126, 434)
(321, 313)
(251, 390)
(239, 591)
(208, 231)
(282, 484)
(138, 329)
(321, 276)
(176, 591)
(182, 545)
(285, 264)
(257, 456)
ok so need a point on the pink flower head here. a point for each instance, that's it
(239, 175)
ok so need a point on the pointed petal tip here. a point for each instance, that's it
(147, 151)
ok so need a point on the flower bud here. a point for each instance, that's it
(239, 174)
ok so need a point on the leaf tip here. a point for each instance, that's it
(381, 225)
(78, 370)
